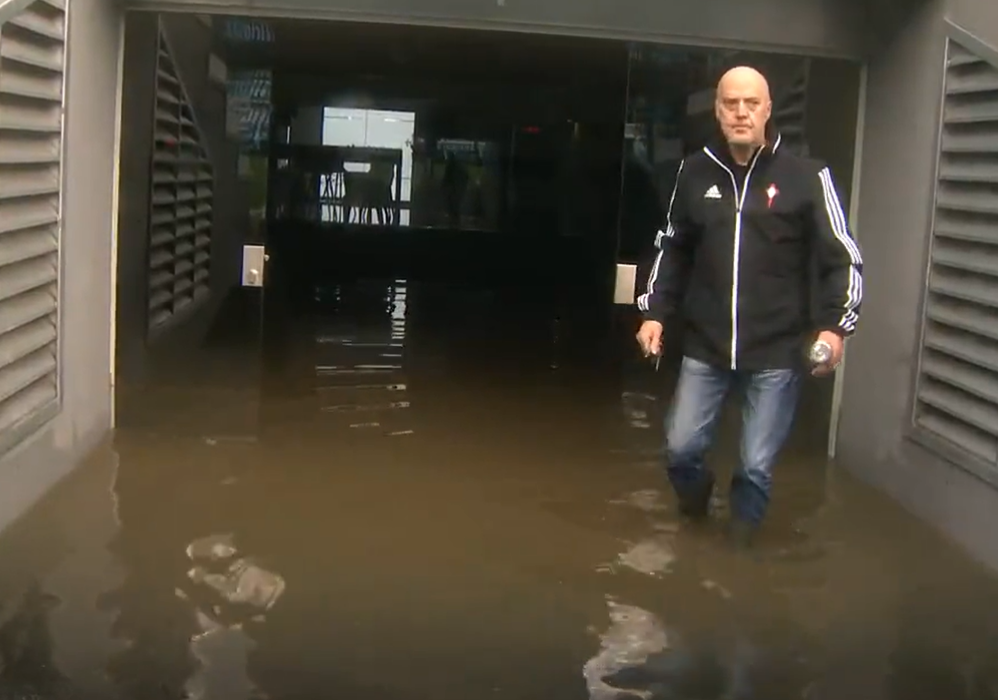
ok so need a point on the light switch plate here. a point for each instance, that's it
(623, 291)
(254, 260)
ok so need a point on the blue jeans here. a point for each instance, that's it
(770, 401)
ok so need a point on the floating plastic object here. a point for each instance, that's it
(213, 547)
(244, 583)
(634, 635)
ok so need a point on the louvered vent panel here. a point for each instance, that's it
(957, 395)
(32, 59)
(180, 211)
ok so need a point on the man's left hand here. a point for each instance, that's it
(836, 343)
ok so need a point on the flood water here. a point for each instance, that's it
(433, 493)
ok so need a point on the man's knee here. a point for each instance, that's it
(758, 458)
(684, 444)
(759, 477)
(698, 401)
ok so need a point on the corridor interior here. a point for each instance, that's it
(401, 472)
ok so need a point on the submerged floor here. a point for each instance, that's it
(430, 494)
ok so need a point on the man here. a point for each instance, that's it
(735, 263)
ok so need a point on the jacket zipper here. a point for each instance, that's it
(736, 253)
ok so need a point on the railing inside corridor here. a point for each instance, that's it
(32, 63)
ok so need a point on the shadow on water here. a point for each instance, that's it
(423, 509)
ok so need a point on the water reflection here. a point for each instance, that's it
(514, 545)
(633, 636)
(360, 375)
(26, 649)
(229, 594)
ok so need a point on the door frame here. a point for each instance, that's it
(854, 192)
(115, 206)
(329, 13)
(338, 15)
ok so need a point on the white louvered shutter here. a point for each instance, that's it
(32, 62)
(957, 388)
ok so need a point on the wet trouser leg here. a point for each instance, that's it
(690, 431)
(769, 405)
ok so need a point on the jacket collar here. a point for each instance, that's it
(718, 149)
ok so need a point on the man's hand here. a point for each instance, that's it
(836, 343)
(650, 338)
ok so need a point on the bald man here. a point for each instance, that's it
(734, 268)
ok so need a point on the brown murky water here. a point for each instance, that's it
(418, 509)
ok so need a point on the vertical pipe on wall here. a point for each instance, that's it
(115, 192)
(857, 169)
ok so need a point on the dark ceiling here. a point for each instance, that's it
(352, 49)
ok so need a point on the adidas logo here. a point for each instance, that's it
(713, 193)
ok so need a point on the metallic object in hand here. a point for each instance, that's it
(821, 354)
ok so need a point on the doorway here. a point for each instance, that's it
(350, 152)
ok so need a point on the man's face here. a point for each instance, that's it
(743, 107)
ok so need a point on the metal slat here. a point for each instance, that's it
(36, 273)
(30, 338)
(20, 413)
(961, 140)
(32, 84)
(970, 110)
(25, 308)
(16, 183)
(979, 258)
(160, 278)
(963, 376)
(965, 346)
(953, 284)
(29, 149)
(965, 197)
(957, 396)
(43, 27)
(961, 406)
(27, 243)
(971, 78)
(162, 241)
(27, 212)
(966, 226)
(975, 442)
(19, 49)
(24, 114)
(966, 170)
(27, 370)
(962, 316)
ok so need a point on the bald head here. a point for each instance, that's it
(744, 79)
(743, 107)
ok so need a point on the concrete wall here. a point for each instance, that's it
(896, 187)
(85, 292)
